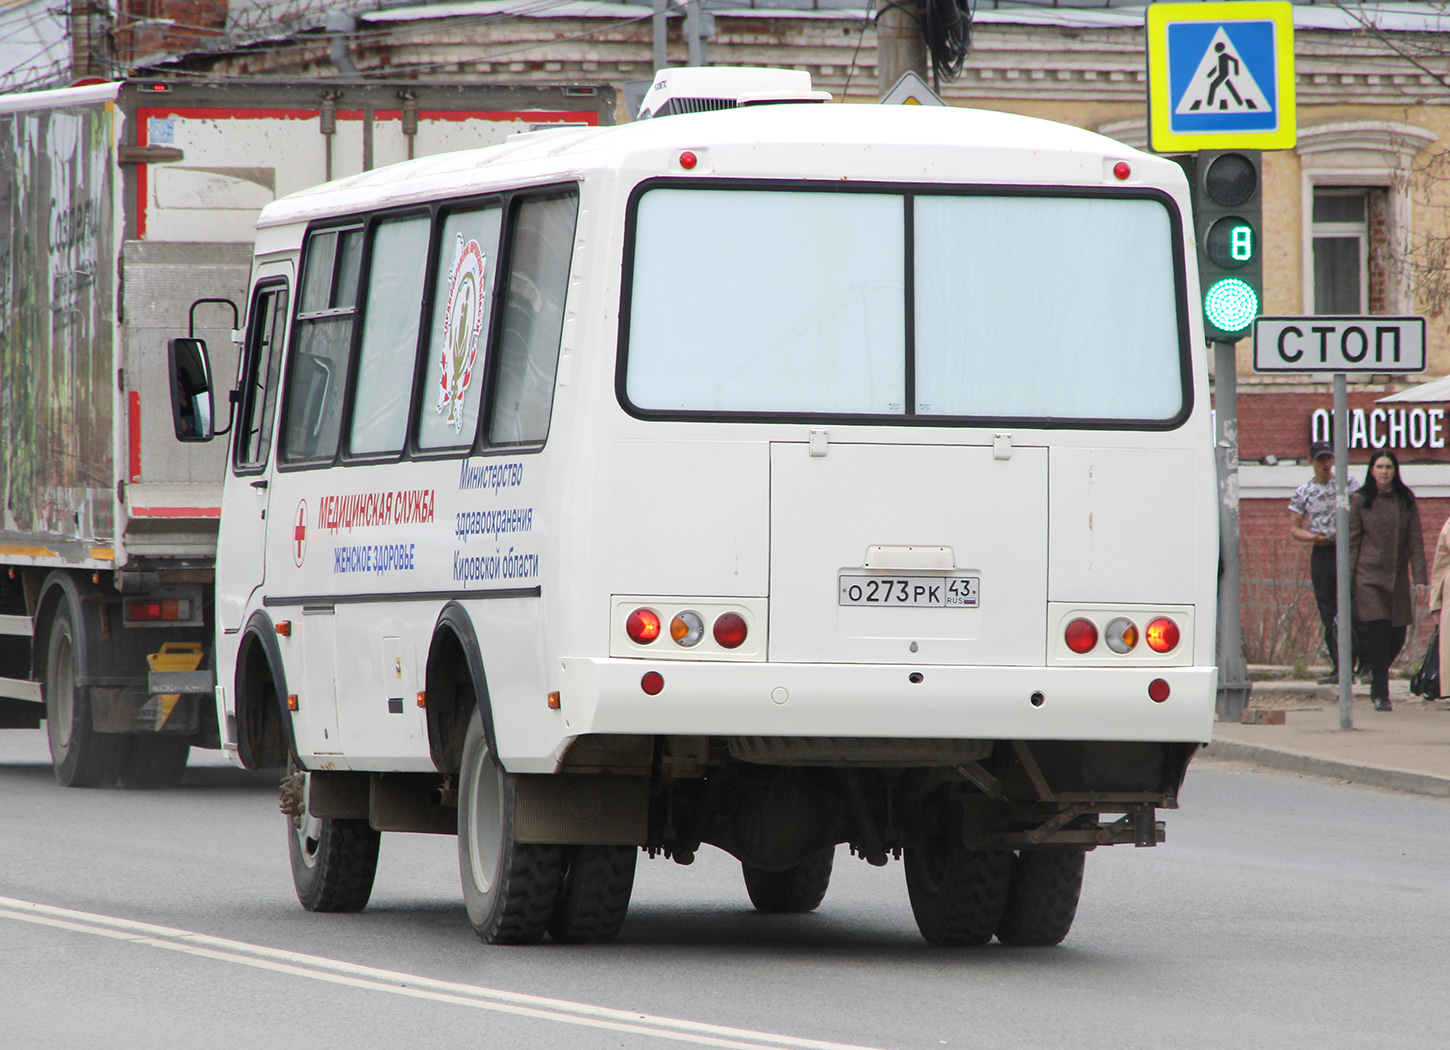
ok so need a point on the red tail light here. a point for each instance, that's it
(1081, 635)
(652, 683)
(1162, 635)
(643, 626)
(1158, 690)
(150, 610)
(730, 630)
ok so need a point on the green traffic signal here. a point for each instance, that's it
(1227, 216)
(1230, 305)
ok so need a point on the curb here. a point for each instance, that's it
(1296, 762)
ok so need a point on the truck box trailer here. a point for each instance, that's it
(126, 216)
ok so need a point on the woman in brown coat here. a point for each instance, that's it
(1385, 548)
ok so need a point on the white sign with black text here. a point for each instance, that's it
(1339, 344)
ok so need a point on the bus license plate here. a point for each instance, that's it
(943, 592)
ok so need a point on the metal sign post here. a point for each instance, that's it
(1339, 346)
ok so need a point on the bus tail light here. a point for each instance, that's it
(652, 683)
(643, 626)
(1121, 634)
(730, 630)
(1081, 635)
(1162, 635)
(1158, 690)
(687, 629)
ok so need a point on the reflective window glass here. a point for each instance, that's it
(459, 327)
(388, 349)
(533, 319)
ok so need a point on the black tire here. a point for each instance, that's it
(594, 897)
(334, 861)
(155, 762)
(509, 888)
(80, 756)
(797, 889)
(957, 895)
(1042, 899)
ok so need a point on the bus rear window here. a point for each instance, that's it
(953, 307)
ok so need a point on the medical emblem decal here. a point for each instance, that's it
(462, 323)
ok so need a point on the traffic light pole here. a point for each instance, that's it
(1343, 621)
(1233, 672)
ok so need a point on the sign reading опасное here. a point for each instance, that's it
(1339, 344)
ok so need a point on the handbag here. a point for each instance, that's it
(1426, 681)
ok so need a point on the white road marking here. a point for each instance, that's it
(335, 971)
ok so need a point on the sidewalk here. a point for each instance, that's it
(1407, 749)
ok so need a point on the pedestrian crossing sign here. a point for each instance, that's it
(1221, 76)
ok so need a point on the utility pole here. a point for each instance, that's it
(1233, 671)
(90, 39)
(699, 25)
(900, 45)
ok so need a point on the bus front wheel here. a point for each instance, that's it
(510, 888)
(334, 859)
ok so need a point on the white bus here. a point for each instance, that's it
(770, 478)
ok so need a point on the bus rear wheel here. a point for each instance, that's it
(957, 895)
(510, 888)
(594, 896)
(1042, 899)
(81, 756)
(334, 860)
(794, 890)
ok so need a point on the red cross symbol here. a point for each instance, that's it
(299, 534)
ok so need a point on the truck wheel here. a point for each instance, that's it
(797, 889)
(334, 859)
(595, 894)
(1042, 899)
(81, 756)
(509, 888)
(957, 894)
(155, 762)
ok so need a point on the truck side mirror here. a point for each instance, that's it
(191, 399)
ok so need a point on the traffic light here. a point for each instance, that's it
(1228, 215)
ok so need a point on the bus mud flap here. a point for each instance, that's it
(581, 810)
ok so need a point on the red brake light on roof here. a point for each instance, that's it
(1081, 635)
(1121, 170)
(643, 626)
(730, 630)
(688, 160)
(1162, 635)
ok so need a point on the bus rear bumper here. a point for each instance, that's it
(876, 700)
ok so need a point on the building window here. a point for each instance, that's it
(1350, 232)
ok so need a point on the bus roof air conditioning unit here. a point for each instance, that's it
(700, 89)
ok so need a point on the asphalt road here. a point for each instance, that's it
(1281, 913)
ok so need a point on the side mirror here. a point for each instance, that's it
(191, 399)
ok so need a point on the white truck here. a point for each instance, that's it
(126, 215)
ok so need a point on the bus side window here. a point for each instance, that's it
(259, 381)
(533, 319)
(388, 350)
(467, 269)
(321, 343)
